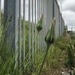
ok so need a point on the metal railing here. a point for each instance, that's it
(25, 16)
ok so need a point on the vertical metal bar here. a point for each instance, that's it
(35, 40)
(9, 10)
(10, 7)
(16, 32)
(0, 12)
(24, 33)
(41, 31)
(42, 26)
(37, 12)
(53, 9)
(29, 31)
(20, 43)
(62, 26)
(32, 33)
(43, 43)
(59, 25)
(59, 22)
(43, 23)
(39, 18)
(35, 19)
(0, 18)
(38, 9)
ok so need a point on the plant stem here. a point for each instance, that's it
(48, 45)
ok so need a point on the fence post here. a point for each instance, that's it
(29, 32)
(32, 33)
(24, 3)
(11, 9)
(0, 18)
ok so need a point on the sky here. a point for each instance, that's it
(67, 8)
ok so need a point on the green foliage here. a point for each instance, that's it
(61, 44)
(53, 57)
(6, 58)
(57, 54)
(73, 37)
(54, 61)
(70, 55)
(38, 62)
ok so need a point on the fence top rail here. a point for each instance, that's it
(57, 5)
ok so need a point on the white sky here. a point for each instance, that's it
(68, 12)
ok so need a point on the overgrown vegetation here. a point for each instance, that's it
(6, 58)
(61, 56)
